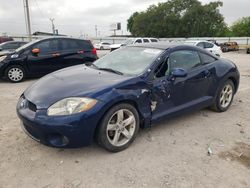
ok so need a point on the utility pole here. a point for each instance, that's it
(53, 26)
(27, 18)
(96, 31)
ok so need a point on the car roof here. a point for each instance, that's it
(8, 42)
(60, 37)
(159, 45)
(170, 45)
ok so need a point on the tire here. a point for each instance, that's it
(224, 97)
(101, 48)
(118, 128)
(248, 50)
(15, 73)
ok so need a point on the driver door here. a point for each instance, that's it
(171, 95)
(47, 60)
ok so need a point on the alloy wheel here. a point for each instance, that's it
(226, 96)
(121, 127)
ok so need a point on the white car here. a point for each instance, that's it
(102, 46)
(131, 41)
(206, 45)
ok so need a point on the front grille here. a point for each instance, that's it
(32, 106)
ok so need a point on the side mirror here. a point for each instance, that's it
(178, 73)
(35, 51)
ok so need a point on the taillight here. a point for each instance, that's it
(93, 51)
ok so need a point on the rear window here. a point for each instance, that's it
(208, 45)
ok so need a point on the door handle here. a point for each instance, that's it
(56, 54)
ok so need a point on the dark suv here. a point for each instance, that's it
(41, 57)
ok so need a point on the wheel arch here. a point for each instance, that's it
(125, 101)
(235, 82)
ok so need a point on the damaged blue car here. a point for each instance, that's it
(128, 89)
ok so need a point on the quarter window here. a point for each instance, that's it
(184, 59)
(207, 58)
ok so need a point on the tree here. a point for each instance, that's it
(179, 18)
(241, 28)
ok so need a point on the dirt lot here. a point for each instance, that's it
(172, 154)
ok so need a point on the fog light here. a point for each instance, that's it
(58, 140)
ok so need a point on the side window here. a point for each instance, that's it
(69, 44)
(207, 58)
(154, 40)
(208, 45)
(47, 46)
(201, 45)
(163, 69)
(145, 40)
(184, 59)
(138, 41)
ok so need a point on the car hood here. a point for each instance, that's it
(76, 81)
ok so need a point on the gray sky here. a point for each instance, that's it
(76, 17)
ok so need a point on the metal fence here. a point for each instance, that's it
(242, 41)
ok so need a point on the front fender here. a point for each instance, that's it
(139, 98)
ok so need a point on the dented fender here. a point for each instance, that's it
(139, 96)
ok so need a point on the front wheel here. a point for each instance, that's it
(15, 73)
(224, 97)
(118, 128)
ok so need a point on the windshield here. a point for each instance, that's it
(129, 41)
(129, 60)
(26, 45)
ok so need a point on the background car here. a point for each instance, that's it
(135, 86)
(10, 46)
(102, 46)
(209, 46)
(5, 39)
(134, 41)
(229, 46)
(41, 57)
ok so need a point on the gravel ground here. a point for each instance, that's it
(171, 154)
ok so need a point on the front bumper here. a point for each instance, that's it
(2, 69)
(61, 131)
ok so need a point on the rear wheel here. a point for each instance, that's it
(118, 128)
(224, 97)
(15, 73)
(101, 48)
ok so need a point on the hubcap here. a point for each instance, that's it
(15, 74)
(121, 127)
(226, 96)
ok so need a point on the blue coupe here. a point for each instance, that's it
(130, 88)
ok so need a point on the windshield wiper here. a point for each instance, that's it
(111, 70)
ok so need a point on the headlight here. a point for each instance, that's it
(71, 106)
(2, 58)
